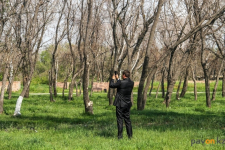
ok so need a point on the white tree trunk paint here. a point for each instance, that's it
(18, 106)
(90, 103)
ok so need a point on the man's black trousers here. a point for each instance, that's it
(123, 113)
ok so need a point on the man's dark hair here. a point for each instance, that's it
(126, 73)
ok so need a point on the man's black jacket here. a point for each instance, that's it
(124, 90)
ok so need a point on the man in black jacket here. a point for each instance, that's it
(123, 102)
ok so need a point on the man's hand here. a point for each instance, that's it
(115, 76)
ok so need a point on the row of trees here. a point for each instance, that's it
(167, 39)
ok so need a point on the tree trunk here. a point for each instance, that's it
(207, 88)
(25, 80)
(151, 85)
(11, 79)
(10, 88)
(216, 84)
(3, 88)
(64, 87)
(178, 89)
(142, 82)
(145, 72)
(144, 94)
(170, 79)
(50, 86)
(223, 84)
(87, 103)
(76, 89)
(195, 85)
(110, 96)
(170, 86)
(185, 85)
(81, 86)
(162, 84)
(70, 96)
(92, 81)
(55, 79)
(20, 99)
(156, 95)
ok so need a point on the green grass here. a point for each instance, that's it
(44, 88)
(63, 125)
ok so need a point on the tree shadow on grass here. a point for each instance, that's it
(104, 124)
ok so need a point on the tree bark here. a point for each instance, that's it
(223, 84)
(178, 89)
(162, 83)
(157, 91)
(145, 71)
(87, 103)
(10, 89)
(216, 84)
(92, 81)
(195, 85)
(204, 64)
(170, 79)
(64, 86)
(11, 79)
(207, 87)
(3, 88)
(153, 78)
(50, 86)
(185, 85)
(70, 96)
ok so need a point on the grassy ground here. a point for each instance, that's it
(63, 125)
(44, 88)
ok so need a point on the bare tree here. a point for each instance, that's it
(34, 35)
(58, 38)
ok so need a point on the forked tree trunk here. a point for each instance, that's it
(142, 93)
(3, 88)
(70, 96)
(216, 84)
